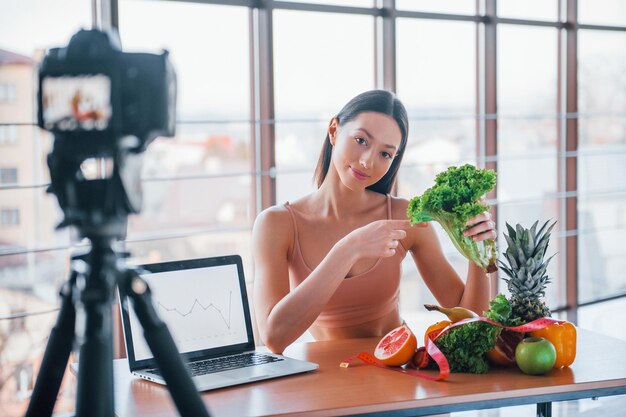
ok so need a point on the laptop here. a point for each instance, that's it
(205, 306)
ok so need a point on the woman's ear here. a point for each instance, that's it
(332, 130)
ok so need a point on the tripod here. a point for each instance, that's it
(92, 283)
(99, 208)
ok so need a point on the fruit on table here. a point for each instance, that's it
(435, 329)
(421, 359)
(526, 270)
(503, 353)
(454, 314)
(563, 337)
(397, 347)
(535, 355)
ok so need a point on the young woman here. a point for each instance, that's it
(329, 262)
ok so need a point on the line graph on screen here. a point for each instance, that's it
(186, 312)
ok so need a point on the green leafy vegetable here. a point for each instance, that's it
(465, 346)
(500, 310)
(452, 201)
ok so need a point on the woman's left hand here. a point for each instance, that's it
(481, 227)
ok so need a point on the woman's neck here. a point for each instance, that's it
(333, 199)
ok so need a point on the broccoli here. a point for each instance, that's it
(452, 201)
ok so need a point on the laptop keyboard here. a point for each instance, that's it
(225, 363)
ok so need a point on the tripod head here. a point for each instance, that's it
(104, 105)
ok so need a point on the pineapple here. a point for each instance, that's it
(526, 271)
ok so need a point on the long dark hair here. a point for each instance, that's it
(379, 101)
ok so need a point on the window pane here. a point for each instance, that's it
(29, 281)
(602, 12)
(527, 70)
(315, 76)
(601, 163)
(528, 9)
(298, 146)
(436, 77)
(601, 68)
(211, 59)
(197, 245)
(200, 179)
(602, 256)
(321, 61)
(527, 140)
(31, 26)
(438, 6)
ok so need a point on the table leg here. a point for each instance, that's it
(544, 409)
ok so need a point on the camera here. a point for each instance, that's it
(93, 95)
(102, 105)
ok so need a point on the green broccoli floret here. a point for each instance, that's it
(452, 201)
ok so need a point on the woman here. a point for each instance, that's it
(330, 261)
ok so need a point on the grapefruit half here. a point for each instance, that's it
(397, 347)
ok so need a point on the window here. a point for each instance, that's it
(197, 185)
(202, 189)
(437, 83)
(302, 41)
(7, 92)
(9, 217)
(8, 135)
(601, 167)
(8, 176)
(527, 138)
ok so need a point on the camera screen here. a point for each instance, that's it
(72, 103)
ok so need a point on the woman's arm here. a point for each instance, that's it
(283, 315)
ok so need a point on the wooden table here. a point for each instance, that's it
(599, 370)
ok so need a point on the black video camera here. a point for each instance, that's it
(90, 91)
(102, 103)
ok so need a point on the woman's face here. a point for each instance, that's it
(364, 148)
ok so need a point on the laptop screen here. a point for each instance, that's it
(202, 301)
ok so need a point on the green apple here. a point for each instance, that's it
(535, 355)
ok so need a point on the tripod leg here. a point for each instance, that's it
(94, 396)
(159, 339)
(55, 357)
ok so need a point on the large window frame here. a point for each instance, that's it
(262, 118)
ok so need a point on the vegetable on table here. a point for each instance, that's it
(465, 346)
(452, 201)
(503, 353)
(563, 337)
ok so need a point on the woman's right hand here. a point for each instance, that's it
(378, 239)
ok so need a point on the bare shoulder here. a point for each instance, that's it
(275, 220)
